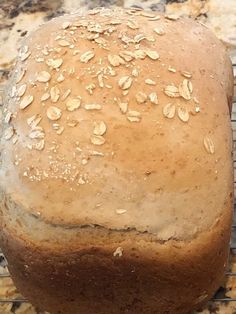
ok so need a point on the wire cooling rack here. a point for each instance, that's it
(220, 295)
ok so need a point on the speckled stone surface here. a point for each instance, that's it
(18, 17)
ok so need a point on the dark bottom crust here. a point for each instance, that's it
(91, 280)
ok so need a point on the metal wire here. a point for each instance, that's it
(14, 301)
(224, 299)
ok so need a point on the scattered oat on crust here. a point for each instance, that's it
(169, 111)
(118, 252)
(43, 76)
(97, 139)
(121, 211)
(99, 128)
(153, 98)
(73, 104)
(125, 82)
(87, 56)
(54, 113)
(171, 91)
(183, 114)
(209, 144)
(26, 101)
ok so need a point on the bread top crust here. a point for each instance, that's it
(120, 118)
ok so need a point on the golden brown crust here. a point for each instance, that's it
(118, 142)
(163, 162)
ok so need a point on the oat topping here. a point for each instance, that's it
(147, 14)
(73, 104)
(24, 49)
(169, 111)
(153, 98)
(127, 55)
(123, 106)
(186, 74)
(121, 211)
(171, 91)
(172, 17)
(54, 93)
(115, 69)
(65, 25)
(97, 140)
(72, 123)
(183, 114)
(132, 24)
(118, 252)
(140, 54)
(90, 88)
(155, 18)
(99, 40)
(26, 101)
(66, 94)
(20, 76)
(135, 72)
(25, 54)
(60, 129)
(43, 76)
(196, 100)
(45, 51)
(8, 117)
(99, 128)
(60, 78)
(21, 90)
(125, 82)
(96, 153)
(150, 82)
(152, 54)
(63, 43)
(45, 96)
(92, 107)
(185, 89)
(209, 144)
(138, 38)
(14, 139)
(39, 145)
(34, 120)
(81, 181)
(37, 133)
(141, 97)
(87, 56)
(170, 69)
(84, 161)
(9, 132)
(54, 63)
(13, 91)
(133, 116)
(159, 31)
(54, 113)
(115, 60)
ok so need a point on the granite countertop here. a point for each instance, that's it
(18, 17)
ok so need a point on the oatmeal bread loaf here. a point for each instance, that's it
(116, 175)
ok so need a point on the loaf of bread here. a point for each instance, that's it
(116, 168)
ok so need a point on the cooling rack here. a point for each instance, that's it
(220, 295)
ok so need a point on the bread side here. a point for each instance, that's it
(107, 271)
